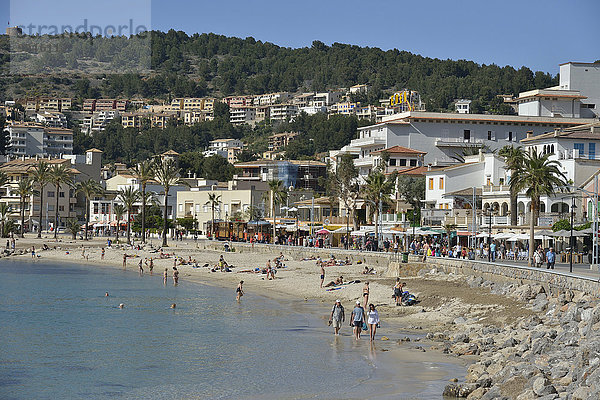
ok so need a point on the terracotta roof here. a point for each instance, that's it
(400, 150)
(419, 171)
(170, 153)
(95, 150)
(19, 166)
(588, 131)
(465, 192)
(455, 166)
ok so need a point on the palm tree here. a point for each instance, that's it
(128, 197)
(277, 196)
(89, 189)
(144, 173)
(24, 191)
(538, 177)
(41, 176)
(514, 158)
(60, 174)
(166, 174)
(213, 201)
(378, 189)
(4, 217)
(73, 227)
(119, 211)
(449, 228)
(3, 181)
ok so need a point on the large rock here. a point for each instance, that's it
(581, 393)
(476, 394)
(542, 387)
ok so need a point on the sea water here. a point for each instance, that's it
(62, 338)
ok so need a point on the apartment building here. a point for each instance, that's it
(235, 198)
(443, 135)
(279, 140)
(70, 205)
(271, 98)
(89, 105)
(462, 106)
(226, 148)
(242, 115)
(344, 108)
(161, 120)
(97, 121)
(53, 119)
(239, 101)
(195, 117)
(31, 139)
(584, 78)
(57, 104)
(359, 89)
(132, 120)
(93, 105)
(282, 112)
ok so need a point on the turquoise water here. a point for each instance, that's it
(62, 338)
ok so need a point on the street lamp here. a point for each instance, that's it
(491, 212)
(573, 207)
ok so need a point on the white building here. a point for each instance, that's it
(53, 119)
(282, 112)
(462, 106)
(97, 121)
(445, 135)
(30, 139)
(585, 78)
(271, 98)
(550, 103)
(226, 148)
(311, 110)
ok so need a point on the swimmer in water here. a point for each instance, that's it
(165, 276)
(121, 306)
(173, 305)
(106, 294)
(239, 291)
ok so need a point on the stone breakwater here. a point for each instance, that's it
(552, 354)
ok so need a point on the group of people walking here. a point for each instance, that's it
(359, 319)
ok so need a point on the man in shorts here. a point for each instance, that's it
(550, 258)
(357, 317)
(337, 317)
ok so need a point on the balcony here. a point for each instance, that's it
(368, 141)
(458, 142)
(364, 161)
(497, 189)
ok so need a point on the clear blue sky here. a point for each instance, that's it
(539, 34)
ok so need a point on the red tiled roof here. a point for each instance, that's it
(400, 150)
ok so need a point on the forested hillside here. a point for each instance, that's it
(209, 64)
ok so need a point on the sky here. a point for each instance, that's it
(539, 34)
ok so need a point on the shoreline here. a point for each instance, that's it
(448, 303)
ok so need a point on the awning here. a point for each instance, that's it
(323, 231)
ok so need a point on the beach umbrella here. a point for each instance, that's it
(587, 231)
(544, 232)
(323, 231)
(484, 235)
(561, 233)
(343, 230)
(577, 234)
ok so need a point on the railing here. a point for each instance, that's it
(454, 141)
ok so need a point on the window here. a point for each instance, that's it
(577, 146)
(413, 163)
(491, 135)
(61, 194)
(592, 151)
(392, 162)
(502, 181)
(489, 181)
(50, 194)
(50, 207)
(430, 183)
(403, 162)
(180, 207)
(441, 183)
(467, 135)
(510, 136)
(61, 208)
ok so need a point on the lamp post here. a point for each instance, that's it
(573, 207)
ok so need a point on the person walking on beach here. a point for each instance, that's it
(140, 267)
(337, 317)
(366, 294)
(124, 260)
(373, 321)
(322, 274)
(357, 318)
(165, 276)
(239, 292)
(151, 265)
(32, 251)
(102, 254)
(550, 258)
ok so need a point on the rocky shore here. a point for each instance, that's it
(552, 354)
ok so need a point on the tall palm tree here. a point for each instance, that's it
(24, 191)
(449, 228)
(514, 158)
(277, 196)
(4, 217)
(73, 227)
(119, 211)
(41, 175)
(377, 189)
(60, 174)
(213, 201)
(128, 197)
(144, 173)
(166, 173)
(89, 189)
(538, 176)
